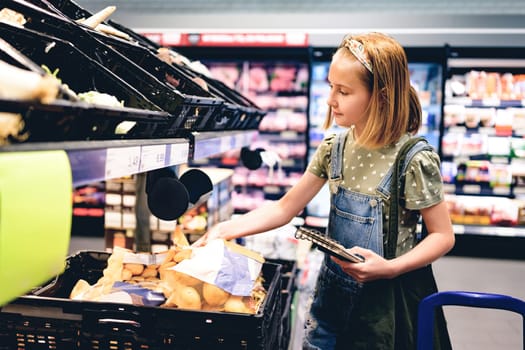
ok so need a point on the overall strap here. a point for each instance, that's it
(336, 167)
(404, 156)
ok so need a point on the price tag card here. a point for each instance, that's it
(240, 140)
(491, 102)
(179, 153)
(152, 157)
(472, 189)
(122, 161)
(209, 147)
(501, 190)
(226, 144)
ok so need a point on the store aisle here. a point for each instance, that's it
(470, 328)
(476, 328)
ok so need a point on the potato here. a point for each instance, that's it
(213, 295)
(188, 298)
(150, 271)
(126, 274)
(79, 289)
(236, 304)
(136, 269)
(182, 255)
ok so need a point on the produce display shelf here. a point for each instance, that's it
(47, 314)
(206, 144)
(93, 161)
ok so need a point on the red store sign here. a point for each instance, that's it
(230, 39)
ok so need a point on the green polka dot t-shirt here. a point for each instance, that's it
(364, 169)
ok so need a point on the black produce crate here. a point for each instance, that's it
(64, 120)
(289, 275)
(74, 11)
(249, 114)
(212, 119)
(187, 110)
(77, 70)
(238, 112)
(46, 319)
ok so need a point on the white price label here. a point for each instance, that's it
(491, 102)
(122, 161)
(152, 157)
(501, 190)
(240, 141)
(179, 153)
(473, 189)
(289, 135)
(226, 144)
(449, 188)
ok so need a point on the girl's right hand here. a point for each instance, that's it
(211, 234)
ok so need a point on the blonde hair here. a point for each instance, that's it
(394, 107)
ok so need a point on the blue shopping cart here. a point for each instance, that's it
(482, 300)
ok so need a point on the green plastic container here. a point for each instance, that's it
(35, 219)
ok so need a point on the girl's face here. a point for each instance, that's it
(349, 96)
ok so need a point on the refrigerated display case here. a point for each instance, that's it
(276, 80)
(426, 65)
(482, 147)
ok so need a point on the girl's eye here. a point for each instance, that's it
(344, 93)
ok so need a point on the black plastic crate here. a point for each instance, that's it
(74, 11)
(235, 113)
(238, 112)
(248, 114)
(64, 120)
(187, 110)
(289, 273)
(61, 323)
(77, 70)
(148, 60)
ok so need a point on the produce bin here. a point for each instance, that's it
(74, 11)
(247, 114)
(211, 120)
(76, 69)
(289, 273)
(64, 120)
(237, 113)
(48, 319)
(187, 110)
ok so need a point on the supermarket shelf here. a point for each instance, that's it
(93, 161)
(489, 230)
(473, 230)
(206, 144)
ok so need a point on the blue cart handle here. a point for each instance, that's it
(472, 299)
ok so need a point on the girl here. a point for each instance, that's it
(373, 304)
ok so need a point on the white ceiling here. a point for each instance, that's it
(512, 7)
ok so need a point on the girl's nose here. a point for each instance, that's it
(330, 101)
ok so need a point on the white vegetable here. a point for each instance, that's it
(100, 98)
(21, 84)
(99, 17)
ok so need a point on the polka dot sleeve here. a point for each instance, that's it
(320, 163)
(423, 186)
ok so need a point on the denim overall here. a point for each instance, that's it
(356, 219)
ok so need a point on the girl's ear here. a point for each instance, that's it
(383, 95)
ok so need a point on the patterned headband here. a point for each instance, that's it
(358, 50)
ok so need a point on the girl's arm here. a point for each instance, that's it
(439, 241)
(270, 215)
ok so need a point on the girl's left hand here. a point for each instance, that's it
(374, 267)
